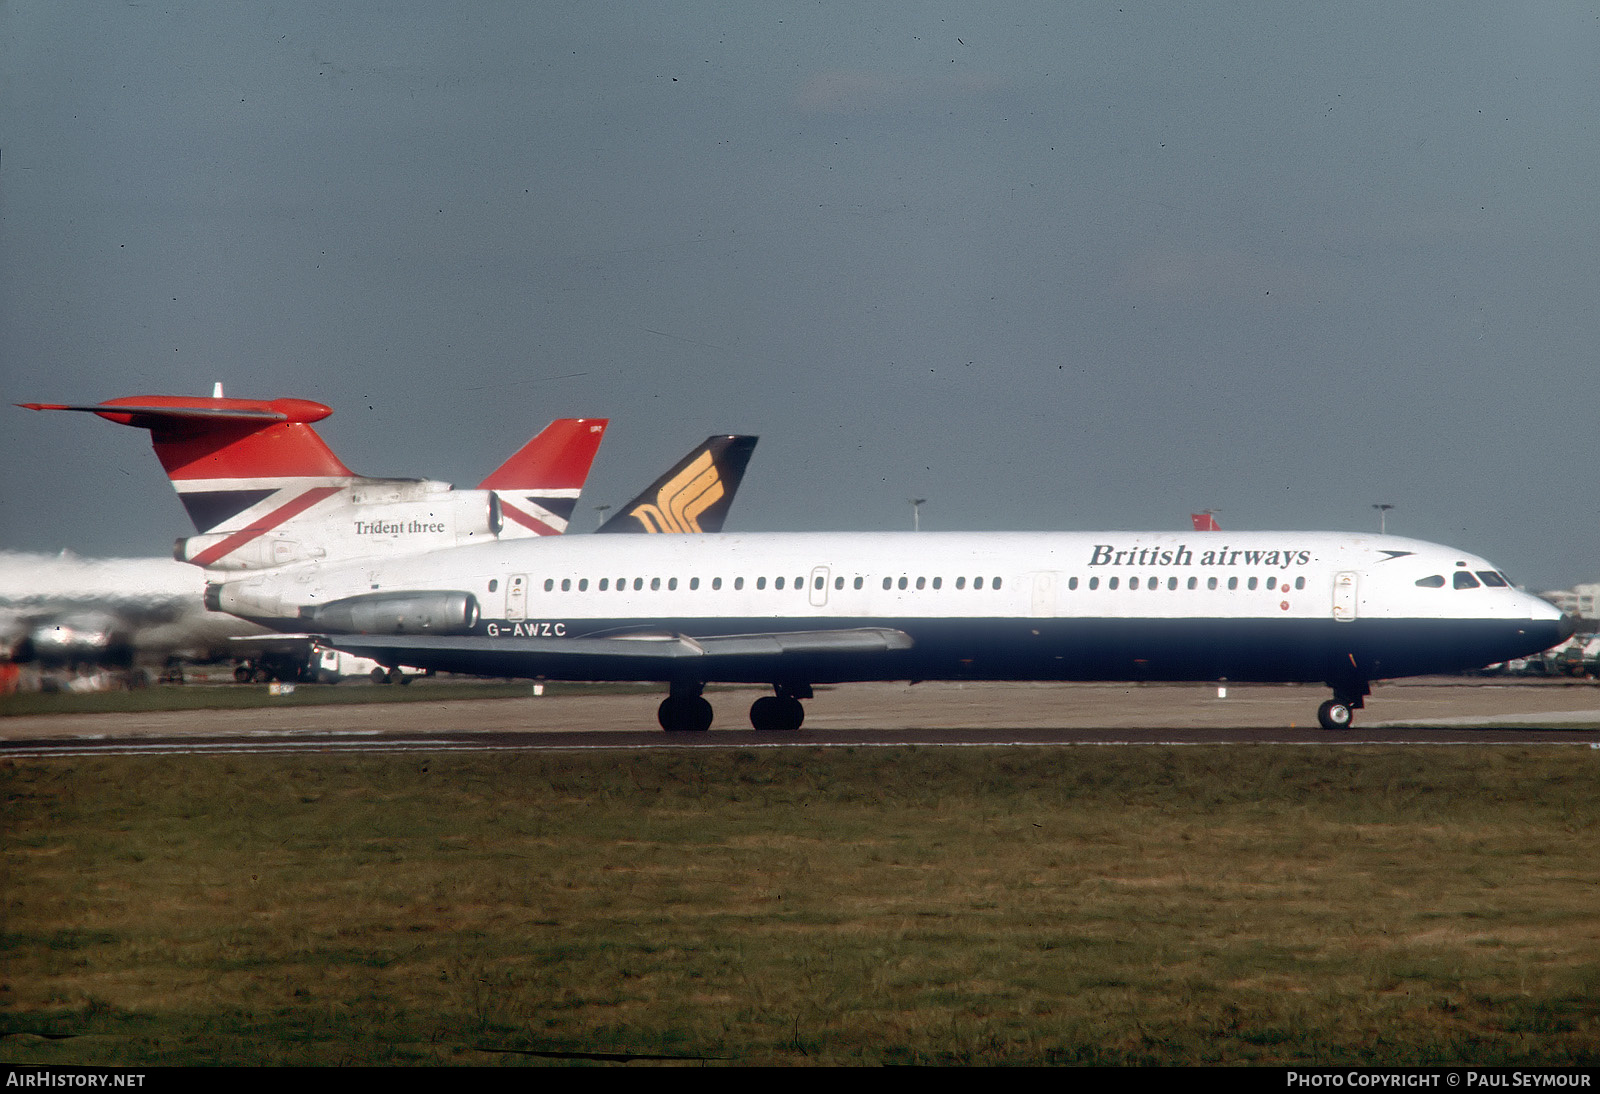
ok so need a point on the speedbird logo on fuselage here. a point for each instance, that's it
(1106, 554)
(680, 502)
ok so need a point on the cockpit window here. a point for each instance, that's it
(1463, 580)
(1492, 579)
(1433, 582)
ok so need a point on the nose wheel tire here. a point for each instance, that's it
(1335, 715)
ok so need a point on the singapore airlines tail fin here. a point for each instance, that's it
(538, 487)
(695, 495)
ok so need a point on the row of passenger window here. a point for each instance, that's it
(1154, 583)
(605, 584)
(1461, 579)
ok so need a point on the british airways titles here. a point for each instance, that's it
(1106, 554)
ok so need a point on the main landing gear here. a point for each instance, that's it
(1340, 711)
(780, 711)
(685, 710)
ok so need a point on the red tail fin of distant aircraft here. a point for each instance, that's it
(1205, 522)
(538, 487)
(239, 465)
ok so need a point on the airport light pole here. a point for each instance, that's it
(1383, 514)
(602, 510)
(916, 513)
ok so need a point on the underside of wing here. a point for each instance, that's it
(652, 655)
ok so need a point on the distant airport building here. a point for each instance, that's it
(1580, 600)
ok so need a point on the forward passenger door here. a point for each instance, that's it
(1345, 587)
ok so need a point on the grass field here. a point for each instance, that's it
(920, 905)
(250, 696)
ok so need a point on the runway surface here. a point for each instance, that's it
(855, 715)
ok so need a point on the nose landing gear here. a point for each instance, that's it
(1340, 711)
(1335, 715)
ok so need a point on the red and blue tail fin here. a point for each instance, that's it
(538, 487)
(240, 466)
(264, 490)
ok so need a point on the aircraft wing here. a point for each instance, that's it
(645, 655)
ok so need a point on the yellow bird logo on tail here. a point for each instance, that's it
(694, 495)
(683, 498)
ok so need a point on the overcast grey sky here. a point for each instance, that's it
(1048, 265)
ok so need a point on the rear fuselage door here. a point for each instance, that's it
(517, 597)
(1345, 587)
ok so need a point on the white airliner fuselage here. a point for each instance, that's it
(794, 610)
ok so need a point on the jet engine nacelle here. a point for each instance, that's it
(395, 613)
(80, 638)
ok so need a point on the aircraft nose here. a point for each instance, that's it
(1570, 625)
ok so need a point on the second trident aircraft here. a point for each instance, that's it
(795, 610)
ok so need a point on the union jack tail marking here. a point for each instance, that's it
(538, 486)
(232, 460)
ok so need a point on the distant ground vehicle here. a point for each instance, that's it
(302, 662)
(1578, 656)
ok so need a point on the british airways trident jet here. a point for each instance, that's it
(795, 610)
